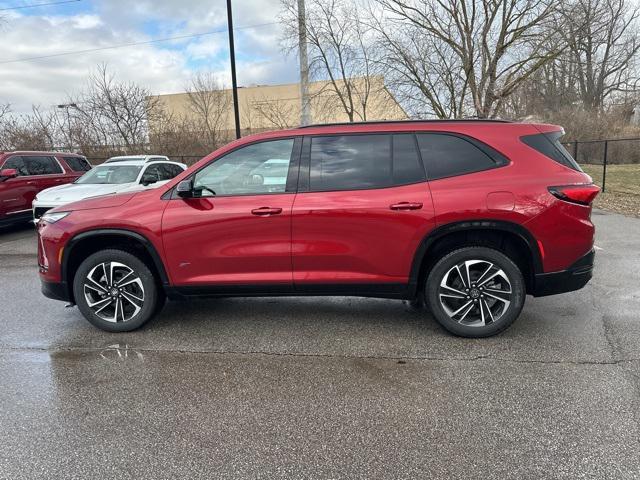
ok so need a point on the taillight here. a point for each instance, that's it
(581, 194)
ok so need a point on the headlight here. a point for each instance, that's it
(53, 217)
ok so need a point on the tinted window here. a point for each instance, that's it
(254, 169)
(18, 164)
(407, 167)
(549, 145)
(168, 171)
(162, 171)
(350, 162)
(77, 164)
(448, 155)
(42, 165)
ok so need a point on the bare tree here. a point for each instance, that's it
(276, 113)
(210, 105)
(108, 112)
(424, 74)
(604, 40)
(496, 44)
(340, 51)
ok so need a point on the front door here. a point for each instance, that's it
(238, 229)
(16, 194)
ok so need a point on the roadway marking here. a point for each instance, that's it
(597, 247)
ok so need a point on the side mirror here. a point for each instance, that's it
(184, 188)
(148, 179)
(8, 173)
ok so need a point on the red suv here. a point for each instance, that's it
(469, 215)
(24, 174)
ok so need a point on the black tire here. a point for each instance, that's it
(147, 289)
(484, 324)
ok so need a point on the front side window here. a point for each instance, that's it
(111, 173)
(18, 164)
(167, 171)
(77, 164)
(37, 165)
(255, 169)
(350, 162)
(448, 155)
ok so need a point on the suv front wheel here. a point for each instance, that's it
(475, 292)
(116, 291)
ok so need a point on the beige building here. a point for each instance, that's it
(270, 107)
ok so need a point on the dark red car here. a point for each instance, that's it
(24, 174)
(469, 215)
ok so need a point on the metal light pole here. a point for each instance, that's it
(232, 55)
(305, 107)
(66, 107)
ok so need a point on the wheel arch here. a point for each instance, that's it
(86, 243)
(496, 233)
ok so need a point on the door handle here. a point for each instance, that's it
(406, 206)
(31, 182)
(266, 211)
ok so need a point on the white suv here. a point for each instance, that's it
(118, 174)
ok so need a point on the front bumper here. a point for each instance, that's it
(573, 278)
(55, 290)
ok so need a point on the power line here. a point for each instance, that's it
(35, 5)
(123, 45)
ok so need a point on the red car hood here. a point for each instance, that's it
(105, 201)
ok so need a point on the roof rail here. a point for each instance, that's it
(374, 122)
(123, 159)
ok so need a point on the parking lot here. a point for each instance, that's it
(323, 387)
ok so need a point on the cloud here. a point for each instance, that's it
(162, 67)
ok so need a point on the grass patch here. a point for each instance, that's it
(620, 178)
(622, 188)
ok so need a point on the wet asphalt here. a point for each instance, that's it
(323, 387)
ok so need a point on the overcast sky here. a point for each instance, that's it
(164, 67)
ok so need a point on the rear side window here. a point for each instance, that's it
(350, 162)
(448, 155)
(37, 165)
(77, 164)
(549, 145)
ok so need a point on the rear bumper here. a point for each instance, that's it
(55, 290)
(573, 278)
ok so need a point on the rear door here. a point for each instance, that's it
(362, 208)
(44, 171)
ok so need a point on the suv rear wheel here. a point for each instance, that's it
(116, 291)
(475, 292)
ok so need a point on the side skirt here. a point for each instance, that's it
(384, 290)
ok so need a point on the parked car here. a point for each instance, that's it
(470, 215)
(24, 174)
(118, 174)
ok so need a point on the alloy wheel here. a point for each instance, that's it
(475, 293)
(114, 292)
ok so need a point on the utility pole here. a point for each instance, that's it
(66, 107)
(234, 82)
(305, 106)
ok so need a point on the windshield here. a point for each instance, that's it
(111, 174)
